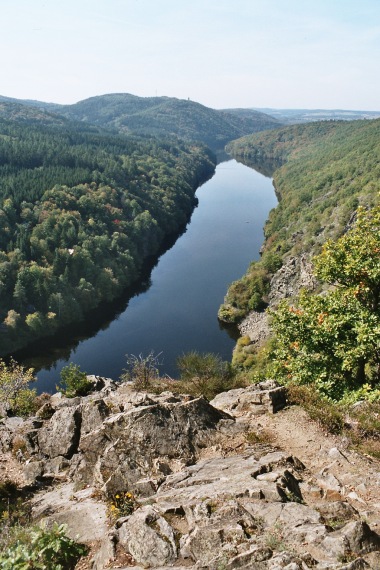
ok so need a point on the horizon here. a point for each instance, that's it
(252, 54)
(262, 109)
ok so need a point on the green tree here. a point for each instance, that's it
(74, 382)
(15, 394)
(332, 340)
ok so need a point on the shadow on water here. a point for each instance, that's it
(44, 353)
(266, 167)
(173, 307)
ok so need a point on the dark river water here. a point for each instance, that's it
(174, 309)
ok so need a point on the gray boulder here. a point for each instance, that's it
(149, 538)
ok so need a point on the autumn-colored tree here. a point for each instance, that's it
(332, 340)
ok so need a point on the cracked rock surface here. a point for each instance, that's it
(239, 482)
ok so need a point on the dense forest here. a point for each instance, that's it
(160, 117)
(81, 208)
(327, 180)
(322, 172)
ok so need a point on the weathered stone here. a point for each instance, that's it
(8, 428)
(126, 447)
(228, 477)
(93, 414)
(296, 273)
(33, 471)
(256, 326)
(85, 516)
(148, 538)
(338, 511)
(60, 435)
(355, 536)
(255, 558)
(106, 553)
(256, 399)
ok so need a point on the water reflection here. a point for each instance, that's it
(44, 353)
(174, 307)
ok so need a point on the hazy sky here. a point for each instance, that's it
(221, 53)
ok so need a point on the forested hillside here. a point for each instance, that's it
(325, 336)
(167, 116)
(328, 169)
(81, 209)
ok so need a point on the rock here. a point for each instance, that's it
(231, 477)
(355, 537)
(85, 516)
(33, 471)
(295, 274)
(60, 435)
(106, 553)
(204, 497)
(255, 558)
(338, 511)
(256, 326)
(126, 447)
(255, 399)
(93, 413)
(8, 428)
(335, 453)
(148, 538)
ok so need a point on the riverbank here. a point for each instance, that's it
(88, 243)
(175, 309)
(318, 197)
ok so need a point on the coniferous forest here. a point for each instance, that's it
(81, 210)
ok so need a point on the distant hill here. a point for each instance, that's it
(11, 110)
(167, 116)
(149, 116)
(322, 172)
(293, 116)
(28, 102)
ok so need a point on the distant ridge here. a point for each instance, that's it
(293, 116)
(154, 116)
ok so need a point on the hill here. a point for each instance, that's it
(327, 169)
(293, 116)
(167, 116)
(322, 172)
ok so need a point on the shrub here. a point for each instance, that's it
(205, 374)
(40, 548)
(121, 504)
(15, 394)
(142, 370)
(320, 409)
(74, 382)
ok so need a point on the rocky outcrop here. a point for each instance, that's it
(202, 488)
(252, 401)
(295, 274)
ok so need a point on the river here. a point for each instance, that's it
(175, 308)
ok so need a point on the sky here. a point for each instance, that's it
(222, 53)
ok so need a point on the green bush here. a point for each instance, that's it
(39, 548)
(74, 382)
(15, 394)
(205, 374)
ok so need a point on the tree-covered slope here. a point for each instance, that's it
(80, 209)
(163, 116)
(328, 169)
